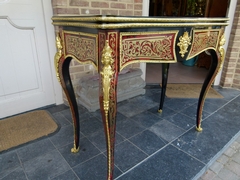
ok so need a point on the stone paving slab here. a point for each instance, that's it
(227, 166)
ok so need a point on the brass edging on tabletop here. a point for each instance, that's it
(72, 56)
(136, 25)
(134, 19)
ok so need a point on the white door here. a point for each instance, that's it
(26, 75)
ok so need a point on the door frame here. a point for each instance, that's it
(228, 29)
(50, 32)
(145, 12)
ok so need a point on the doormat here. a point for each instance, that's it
(189, 91)
(24, 128)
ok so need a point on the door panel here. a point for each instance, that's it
(25, 72)
(18, 55)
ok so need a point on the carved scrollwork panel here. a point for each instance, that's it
(147, 47)
(203, 40)
(81, 46)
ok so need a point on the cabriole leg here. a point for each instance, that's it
(108, 99)
(165, 68)
(62, 72)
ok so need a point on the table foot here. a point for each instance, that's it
(215, 66)
(160, 111)
(69, 92)
(74, 149)
(199, 129)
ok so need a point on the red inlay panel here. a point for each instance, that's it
(203, 40)
(147, 47)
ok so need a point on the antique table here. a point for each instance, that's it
(110, 43)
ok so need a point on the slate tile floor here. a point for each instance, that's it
(149, 146)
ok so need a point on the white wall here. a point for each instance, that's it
(145, 12)
(230, 14)
(48, 13)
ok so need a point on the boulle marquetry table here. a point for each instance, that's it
(111, 43)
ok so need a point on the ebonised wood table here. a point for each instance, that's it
(111, 43)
